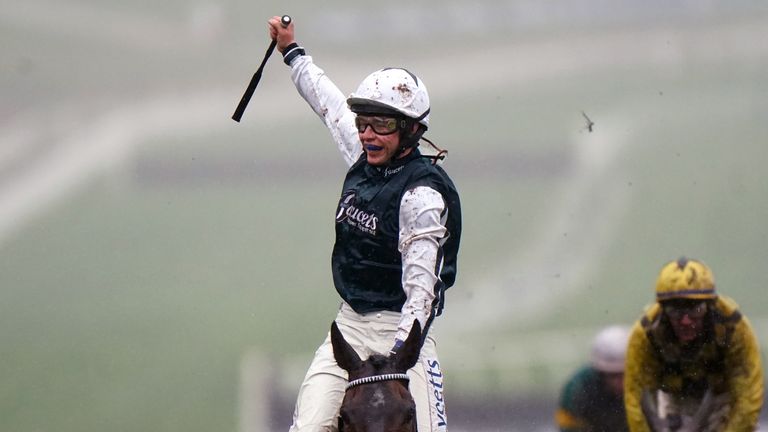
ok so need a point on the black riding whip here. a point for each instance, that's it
(284, 21)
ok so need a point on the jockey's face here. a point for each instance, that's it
(380, 138)
(687, 319)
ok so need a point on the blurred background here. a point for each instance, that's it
(164, 268)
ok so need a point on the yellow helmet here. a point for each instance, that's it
(685, 279)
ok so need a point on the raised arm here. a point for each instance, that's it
(322, 95)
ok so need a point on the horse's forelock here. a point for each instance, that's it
(378, 361)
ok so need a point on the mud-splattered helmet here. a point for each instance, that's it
(392, 91)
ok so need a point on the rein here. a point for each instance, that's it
(377, 378)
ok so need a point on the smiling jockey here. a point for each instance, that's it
(398, 224)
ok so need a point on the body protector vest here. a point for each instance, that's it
(693, 370)
(366, 262)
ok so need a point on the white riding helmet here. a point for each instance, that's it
(392, 89)
(609, 349)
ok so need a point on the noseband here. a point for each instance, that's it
(377, 378)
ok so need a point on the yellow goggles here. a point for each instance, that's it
(380, 125)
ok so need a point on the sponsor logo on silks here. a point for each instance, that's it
(436, 379)
(388, 171)
(360, 219)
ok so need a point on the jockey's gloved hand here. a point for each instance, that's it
(397, 346)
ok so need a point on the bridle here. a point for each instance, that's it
(377, 378)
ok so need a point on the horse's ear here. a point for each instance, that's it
(345, 355)
(408, 354)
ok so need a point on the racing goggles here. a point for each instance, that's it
(380, 125)
(694, 311)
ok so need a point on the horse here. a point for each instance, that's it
(377, 398)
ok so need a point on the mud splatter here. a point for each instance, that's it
(404, 90)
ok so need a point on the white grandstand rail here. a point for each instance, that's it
(255, 390)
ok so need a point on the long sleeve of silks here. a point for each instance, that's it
(745, 378)
(329, 103)
(640, 369)
(422, 231)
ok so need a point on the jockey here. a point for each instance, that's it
(593, 398)
(398, 225)
(693, 362)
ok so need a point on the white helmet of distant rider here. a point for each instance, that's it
(609, 349)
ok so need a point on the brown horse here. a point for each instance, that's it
(377, 398)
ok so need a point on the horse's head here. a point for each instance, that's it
(377, 397)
